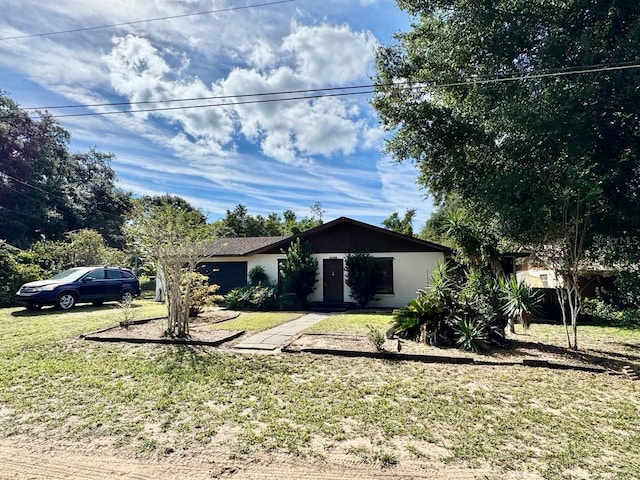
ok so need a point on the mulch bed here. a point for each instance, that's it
(394, 349)
(151, 331)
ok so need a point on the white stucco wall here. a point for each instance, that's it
(533, 277)
(410, 273)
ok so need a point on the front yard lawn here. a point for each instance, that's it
(352, 323)
(153, 400)
(256, 321)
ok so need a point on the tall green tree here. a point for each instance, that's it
(45, 191)
(240, 223)
(402, 225)
(491, 100)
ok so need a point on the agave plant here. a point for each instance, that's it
(520, 302)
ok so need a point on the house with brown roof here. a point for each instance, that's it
(405, 263)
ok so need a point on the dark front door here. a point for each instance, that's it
(332, 280)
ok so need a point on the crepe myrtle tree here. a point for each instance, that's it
(172, 236)
(526, 110)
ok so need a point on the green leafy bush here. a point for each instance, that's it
(202, 295)
(16, 268)
(471, 335)
(251, 297)
(465, 309)
(257, 276)
(361, 277)
(299, 271)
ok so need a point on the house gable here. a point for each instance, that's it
(345, 235)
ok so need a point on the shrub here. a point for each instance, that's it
(16, 268)
(202, 294)
(466, 311)
(520, 301)
(299, 271)
(361, 277)
(251, 297)
(471, 335)
(257, 276)
(147, 284)
(376, 337)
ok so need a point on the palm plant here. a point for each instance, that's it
(520, 302)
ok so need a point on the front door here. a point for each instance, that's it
(333, 280)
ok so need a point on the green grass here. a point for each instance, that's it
(145, 399)
(257, 321)
(20, 327)
(352, 323)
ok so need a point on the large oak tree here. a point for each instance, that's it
(529, 111)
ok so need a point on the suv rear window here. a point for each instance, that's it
(111, 273)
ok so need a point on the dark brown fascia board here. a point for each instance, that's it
(341, 220)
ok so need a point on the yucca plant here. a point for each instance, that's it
(471, 335)
(520, 302)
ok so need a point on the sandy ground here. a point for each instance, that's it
(23, 459)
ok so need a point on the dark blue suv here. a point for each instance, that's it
(80, 284)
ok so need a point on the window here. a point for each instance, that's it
(384, 283)
(96, 274)
(544, 278)
(113, 274)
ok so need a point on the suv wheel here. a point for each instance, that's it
(126, 296)
(66, 301)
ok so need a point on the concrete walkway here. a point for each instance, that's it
(279, 336)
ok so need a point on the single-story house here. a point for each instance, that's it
(405, 263)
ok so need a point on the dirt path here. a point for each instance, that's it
(21, 461)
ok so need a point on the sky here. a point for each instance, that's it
(269, 156)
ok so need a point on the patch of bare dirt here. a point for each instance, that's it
(200, 329)
(23, 460)
(516, 352)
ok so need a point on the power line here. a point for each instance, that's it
(370, 88)
(191, 99)
(226, 104)
(2, 174)
(157, 19)
(418, 84)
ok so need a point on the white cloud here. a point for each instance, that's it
(328, 54)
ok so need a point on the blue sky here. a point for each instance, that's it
(269, 156)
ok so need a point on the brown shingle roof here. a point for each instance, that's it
(238, 246)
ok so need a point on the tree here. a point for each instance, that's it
(45, 191)
(79, 248)
(492, 110)
(16, 268)
(172, 235)
(362, 276)
(299, 271)
(402, 225)
(239, 223)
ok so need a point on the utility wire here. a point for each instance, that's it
(18, 213)
(418, 84)
(369, 89)
(2, 174)
(157, 19)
